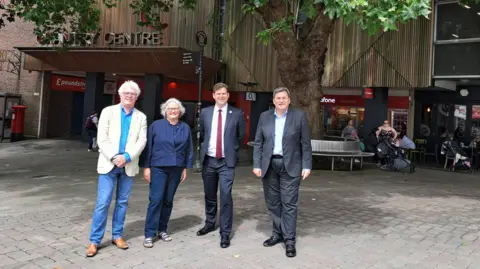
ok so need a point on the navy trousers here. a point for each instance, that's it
(215, 172)
(163, 186)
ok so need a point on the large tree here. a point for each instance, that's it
(301, 48)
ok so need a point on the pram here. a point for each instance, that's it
(394, 156)
(451, 149)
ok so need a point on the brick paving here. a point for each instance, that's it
(360, 219)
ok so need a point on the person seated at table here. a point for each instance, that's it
(475, 142)
(350, 131)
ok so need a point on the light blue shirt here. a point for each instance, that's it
(125, 120)
(278, 135)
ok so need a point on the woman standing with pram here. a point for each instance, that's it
(386, 136)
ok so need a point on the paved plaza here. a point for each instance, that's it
(359, 219)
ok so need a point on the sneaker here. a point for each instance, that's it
(164, 236)
(148, 243)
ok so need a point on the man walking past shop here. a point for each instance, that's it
(91, 126)
(122, 135)
(222, 128)
(282, 157)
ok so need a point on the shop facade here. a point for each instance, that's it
(452, 105)
(67, 95)
(447, 112)
(339, 109)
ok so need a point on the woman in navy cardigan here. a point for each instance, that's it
(169, 152)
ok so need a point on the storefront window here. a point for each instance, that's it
(426, 120)
(338, 117)
(399, 120)
(460, 117)
(442, 119)
(475, 120)
(457, 21)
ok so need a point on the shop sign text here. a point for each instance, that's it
(327, 100)
(110, 38)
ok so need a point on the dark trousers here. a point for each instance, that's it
(91, 135)
(281, 195)
(215, 172)
(163, 185)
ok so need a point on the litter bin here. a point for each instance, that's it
(18, 118)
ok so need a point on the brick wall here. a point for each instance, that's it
(28, 84)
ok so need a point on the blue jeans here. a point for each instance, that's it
(106, 186)
(163, 185)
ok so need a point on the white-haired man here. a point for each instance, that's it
(122, 135)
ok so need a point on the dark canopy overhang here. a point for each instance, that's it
(128, 60)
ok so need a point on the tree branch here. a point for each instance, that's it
(285, 43)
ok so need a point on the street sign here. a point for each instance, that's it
(250, 96)
(191, 58)
(187, 58)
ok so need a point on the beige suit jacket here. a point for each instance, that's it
(108, 139)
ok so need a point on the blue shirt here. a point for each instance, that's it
(278, 135)
(125, 121)
(169, 145)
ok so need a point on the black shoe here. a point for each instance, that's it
(291, 251)
(205, 230)
(225, 241)
(272, 241)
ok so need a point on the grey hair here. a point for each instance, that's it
(163, 107)
(281, 89)
(129, 84)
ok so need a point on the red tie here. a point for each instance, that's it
(219, 135)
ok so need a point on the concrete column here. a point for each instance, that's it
(93, 100)
(44, 103)
(376, 110)
(411, 113)
(152, 96)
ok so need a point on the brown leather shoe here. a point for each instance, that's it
(120, 243)
(91, 250)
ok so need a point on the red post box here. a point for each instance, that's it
(18, 118)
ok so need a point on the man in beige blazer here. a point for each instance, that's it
(122, 135)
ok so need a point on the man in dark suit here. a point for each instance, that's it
(282, 157)
(222, 130)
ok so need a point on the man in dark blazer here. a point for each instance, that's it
(282, 157)
(222, 130)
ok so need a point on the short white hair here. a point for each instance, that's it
(163, 107)
(129, 84)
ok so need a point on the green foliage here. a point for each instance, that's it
(152, 9)
(369, 15)
(54, 17)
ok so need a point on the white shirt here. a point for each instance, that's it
(212, 145)
(279, 126)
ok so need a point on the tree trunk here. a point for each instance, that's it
(301, 58)
(306, 95)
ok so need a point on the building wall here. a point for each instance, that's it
(28, 84)
(400, 59)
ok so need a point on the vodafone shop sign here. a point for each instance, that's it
(325, 100)
(77, 84)
(397, 102)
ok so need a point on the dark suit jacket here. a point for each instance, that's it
(296, 143)
(234, 133)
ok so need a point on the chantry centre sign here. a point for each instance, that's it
(108, 39)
